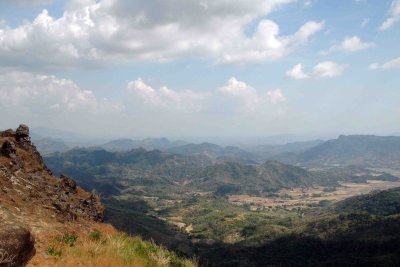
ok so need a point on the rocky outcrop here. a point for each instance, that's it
(68, 185)
(16, 246)
(32, 196)
(88, 207)
(23, 172)
(22, 134)
(34, 203)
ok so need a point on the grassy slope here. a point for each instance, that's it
(106, 247)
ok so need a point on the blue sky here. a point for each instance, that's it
(201, 68)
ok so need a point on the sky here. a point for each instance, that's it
(237, 68)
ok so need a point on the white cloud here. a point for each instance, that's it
(92, 33)
(249, 98)
(350, 45)
(247, 94)
(394, 16)
(165, 98)
(327, 69)
(266, 44)
(27, 92)
(297, 72)
(391, 64)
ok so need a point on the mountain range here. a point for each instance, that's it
(152, 192)
(361, 150)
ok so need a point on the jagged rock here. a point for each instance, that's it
(8, 149)
(16, 246)
(27, 186)
(68, 185)
(22, 134)
(92, 209)
(22, 131)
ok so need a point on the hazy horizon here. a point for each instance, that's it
(280, 139)
(227, 70)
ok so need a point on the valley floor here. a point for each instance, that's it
(306, 197)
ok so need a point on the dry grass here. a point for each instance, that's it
(107, 249)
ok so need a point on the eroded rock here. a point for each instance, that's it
(22, 136)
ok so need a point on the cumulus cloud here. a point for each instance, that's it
(391, 64)
(394, 16)
(350, 45)
(165, 98)
(266, 44)
(249, 98)
(327, 69)
(91, 33)
(31, 93)
(297, 72)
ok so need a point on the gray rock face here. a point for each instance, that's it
(16, 246)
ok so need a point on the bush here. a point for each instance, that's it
(52, 251)
(69, 239)
(95, 235)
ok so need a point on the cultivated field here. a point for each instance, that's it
(306, 197)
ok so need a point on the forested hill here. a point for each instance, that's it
(363, 150)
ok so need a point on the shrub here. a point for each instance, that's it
(69, 239)
(52, 251)
(95, 235)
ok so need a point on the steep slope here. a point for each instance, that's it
(365, 150)
(32, 197)
(56, 218)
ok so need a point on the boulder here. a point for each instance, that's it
(8, 149)
(22, 134)
(17, 246)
